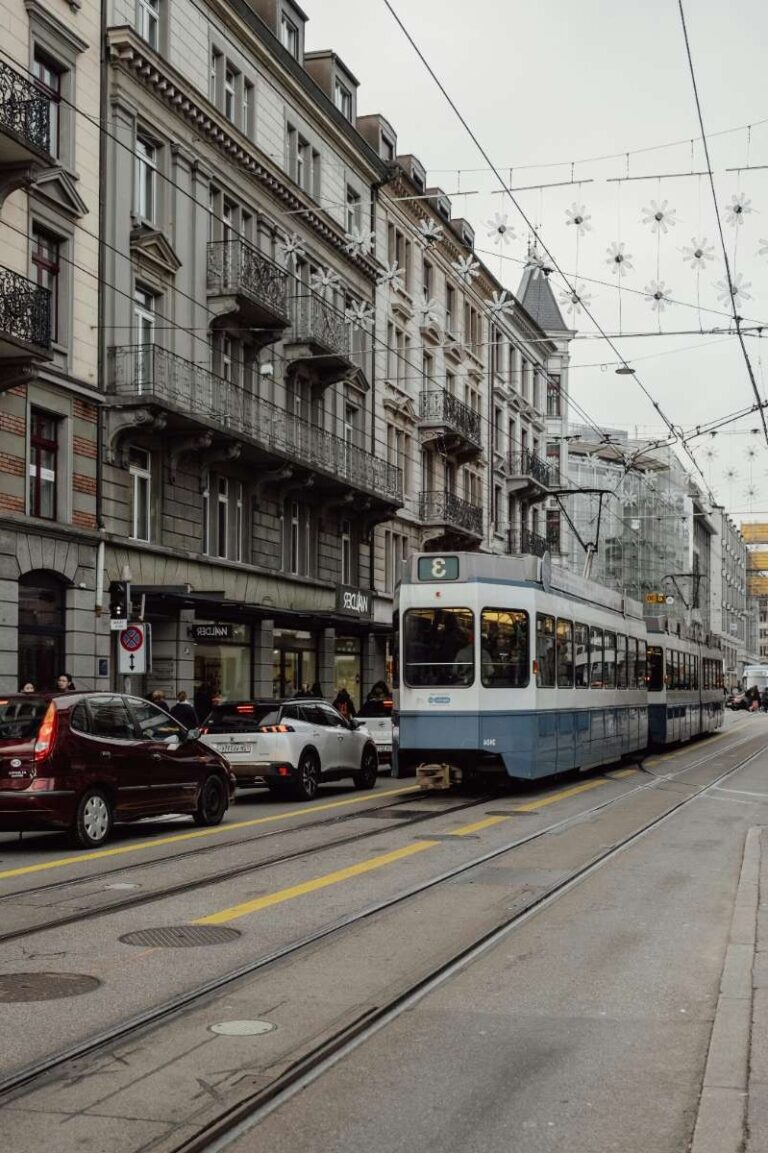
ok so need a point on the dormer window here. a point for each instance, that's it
(289, 35)
(387, 148)
(342, 98)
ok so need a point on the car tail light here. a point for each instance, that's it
(204, 730)
(276, 729)
(46, 735)
(283, 771)
(244, 709)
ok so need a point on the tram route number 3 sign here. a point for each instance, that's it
(438, 568)
(132, 649)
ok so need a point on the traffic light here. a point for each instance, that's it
(118, 600)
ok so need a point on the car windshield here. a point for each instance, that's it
(382, 708)
(241, 717)
(20, 718)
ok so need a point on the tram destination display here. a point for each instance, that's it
(438, 568)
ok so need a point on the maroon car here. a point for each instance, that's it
(81, 761)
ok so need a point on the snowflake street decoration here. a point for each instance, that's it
(731, 474)
(577, 300)
(537, 266)
(325, 279)
(751, 492)
(751, 452)
(291, 247)
(500, 303)
(430, 311)
(391, 274)
(358, 241)
(360, 314)
(620, 261)
(710, 453)
(698, 253)
(660, 217)
(735, 295)
(430, 231)
(658, 295)
(739, 207)
(498, 228)
(578, 216)
(466, 268)
(763, 249)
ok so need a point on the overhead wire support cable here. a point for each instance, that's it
(705, 144)
(535, 233)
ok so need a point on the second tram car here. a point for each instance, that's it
(510, 666)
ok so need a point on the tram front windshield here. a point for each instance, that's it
(439, 647)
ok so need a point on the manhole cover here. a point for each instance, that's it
(242, 1028)
(181, 936)
(44, 986)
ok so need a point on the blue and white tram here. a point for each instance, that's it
(509, 666)
(685, 686)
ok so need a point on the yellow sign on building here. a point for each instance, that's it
(755, 533)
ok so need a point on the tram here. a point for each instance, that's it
(508, 665)
(685, 686)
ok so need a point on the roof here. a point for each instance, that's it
(537, 298)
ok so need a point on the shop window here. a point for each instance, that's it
(41, 629)
(140, 469)
(43, 464)
(222, 668)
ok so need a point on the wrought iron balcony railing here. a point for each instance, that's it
(316, 322)
(24, 109)
(152, 373)
(522, 542)
(438, 407)
(447, 509)
(527, 463)
(25, 310)
(236, 267)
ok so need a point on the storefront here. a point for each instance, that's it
(41, 629)
(294, 662)
(222, 662)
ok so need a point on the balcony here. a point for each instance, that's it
(454, 425)
(457, 520)
(521, 541)
(241, 279)
(25, 128)
(193, 398)
(25, 324)
(529, 475)
(320, 336)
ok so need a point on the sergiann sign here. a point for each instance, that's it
(221, 632)
(353, 601)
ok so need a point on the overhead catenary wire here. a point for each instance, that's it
(705, 143)
(534, 232)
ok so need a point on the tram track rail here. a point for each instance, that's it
(27, 1079)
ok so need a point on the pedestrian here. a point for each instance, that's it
(753, 695)
(303, 693)
(157, 697)
(317, 691)
(379, 692)
(28, 687)
(203, 700)
(65, 684)
(184, 712)
(344, 704)
(764, 699)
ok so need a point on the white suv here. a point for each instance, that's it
(291, 746)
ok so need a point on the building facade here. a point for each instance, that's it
(49, 376)
(729, 614)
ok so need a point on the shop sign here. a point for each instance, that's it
(355, 602)
(212, 632)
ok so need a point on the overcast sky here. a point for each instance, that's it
(559, 81)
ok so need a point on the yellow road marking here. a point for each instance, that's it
(561, 796)
(136, 846)
(465, 830)
(622, 774)
(289, 894)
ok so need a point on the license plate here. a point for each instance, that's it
(225, 749)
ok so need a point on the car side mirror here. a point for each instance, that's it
(192, 735)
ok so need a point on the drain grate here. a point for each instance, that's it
(181, 936)
(44, 986)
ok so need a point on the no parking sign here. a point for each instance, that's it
(132, 649)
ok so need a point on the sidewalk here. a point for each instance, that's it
(757, 1110)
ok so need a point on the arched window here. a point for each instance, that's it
(41, 629)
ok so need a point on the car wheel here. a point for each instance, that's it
(369, 769)
(305, 783)
(93, 820)
(212, 802)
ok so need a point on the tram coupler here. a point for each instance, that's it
(437, 777)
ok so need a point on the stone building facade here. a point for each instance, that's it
(49, 379)
(729, 595)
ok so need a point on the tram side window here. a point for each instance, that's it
(504, 649)
(720, 674)
(545, 651)
(621, 662)
(707, 670)
(694, 672)
(669, 673)
(609, 661)
(655, 668)
(641, 668)
(596, 675)
(564, 654)
(438, 647)
(581, 638)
